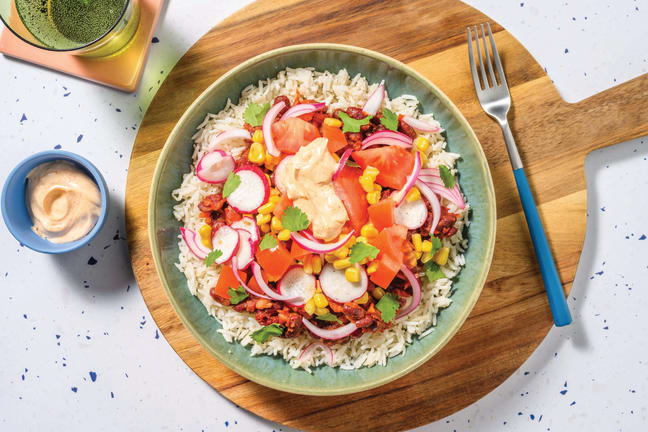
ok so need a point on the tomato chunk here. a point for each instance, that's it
(386, 271)
(297, 251)
(281, 206)
(381, 214)
(335, 136)
(291, 134)
(254, 285)
(349, 190)
(275, 261)
(227, 280)
(390, 259)
(394, 164)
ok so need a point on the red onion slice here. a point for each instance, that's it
(334, 334)
(256, 272)
(269, 118)
(243, 284)
(387, 138)
(420, 125)
(195, 246)
(309, 349)
(434, 202)
(416, 292)
(342, 162)
(388, 134)
(317, 247)
(230, 134)
(409, 182)
(375, 100)
(301, 109)
(433, 179)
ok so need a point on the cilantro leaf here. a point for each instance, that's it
(264, 333)
(350, 124)
(293, 219)
(389, 119)
(237, 295)
(446, 176)
(436, 244)
(388, 305)
(328, 317)
(213, 256)
(268, 242)
(254, 113)
(433, 271)
(360, 251)
(233, 181)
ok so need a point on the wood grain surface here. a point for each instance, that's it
(512, 315)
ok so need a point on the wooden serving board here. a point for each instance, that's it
(512, 315)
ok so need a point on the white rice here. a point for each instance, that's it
(372, 348)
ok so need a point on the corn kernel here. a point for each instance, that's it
(342, 252)
(265, 228)
(365, 261)
(205, 232)
(316, 262)
(427, 256)
(330, 121)
(422, 143)
(352, 274)
(369, 231)
(424, 158)
(411, 260)
(257, 153)
(283, 235)
(271, 161)
(276, 224)
(361, 239)
(320, 300)
(426, 246)
(257, 137)
(377, 188)
(274, 199)
(275, 193)
(371, 172)
(371, 268)
(413, 194)
(418, 254)
(310, 307)
(330, 258)
(267, 208)
(373, 197)
(377, 293)
(441, 257)
(318, 286)
(417, 242)
(269, 179)
(350, 242)
(341, 263)
(367, 183)
(364, 299)
(263, 218)
(307, 265)
(321, 311)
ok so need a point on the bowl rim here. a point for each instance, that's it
(262, 379)
(49, 156)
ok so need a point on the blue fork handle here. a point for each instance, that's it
(548, 270)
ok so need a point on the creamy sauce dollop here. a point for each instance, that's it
(63, 202)
(308, 183)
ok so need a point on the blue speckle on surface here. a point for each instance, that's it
(226, 423)
(67, 94)
(25, 316)
(57, 147)
(599, 273)
(531, 416)
(112, 395)
(573, 403)
(92, 261)
(88, 337)
(23, 377)
(566, 50)
(527, 373)
(79, 138)
(155, 40)
(117, 109)
(93, 376)
(74, 389)
(519, 413)
(602, 209)
(157, 335)
(563, 392)
(643, 237)
(606, 328)
(23, 118)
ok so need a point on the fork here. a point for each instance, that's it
(495, 99)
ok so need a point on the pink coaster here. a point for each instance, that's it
(121, 71)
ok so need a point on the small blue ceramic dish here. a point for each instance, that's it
(14, 207)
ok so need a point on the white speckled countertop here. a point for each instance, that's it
(81, 352)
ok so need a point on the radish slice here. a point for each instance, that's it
(336, 286)
(420, 125)
(227, 135)
(309, 349)
(409, 181)
(226, 240)
(256, 272)
(411, 214)
(244, 254)
(269, 118)
(416, 292)
(334, 334)
(214, 167)
(301, 109)
(248, 224)
(279, 173)
(434, 202)
(243, 284)
(297, 286)
(342, 162)
(375, 100)
(317, 247)
(387, 138)
(252, 192)
(194, 244)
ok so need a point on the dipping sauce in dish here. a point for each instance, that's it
(63, 202)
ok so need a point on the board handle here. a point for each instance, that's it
(550, 278)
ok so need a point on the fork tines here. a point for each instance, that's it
(490, 80)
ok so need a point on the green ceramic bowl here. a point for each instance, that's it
(475, 179)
